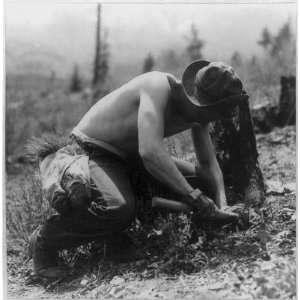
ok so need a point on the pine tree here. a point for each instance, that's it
(195, 44)
(282, 39)
(266, 38)
(148, 63)
(274, 45)
(236, 59)
(76, 84)
(101, 53)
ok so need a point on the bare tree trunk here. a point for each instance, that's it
(237, 154)
(287, 101)
(97, 62)
(267, 116)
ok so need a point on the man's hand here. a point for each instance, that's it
(206, 209)
(200, 201)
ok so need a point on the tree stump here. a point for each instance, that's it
(264, 117)
(287, 101)
(267, 115)
(237, 154)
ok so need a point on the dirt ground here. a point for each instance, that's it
(259, 263)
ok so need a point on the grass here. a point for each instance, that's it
(25, 208)
(259, 261)
(172, 245)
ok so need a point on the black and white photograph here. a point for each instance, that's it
(150, 150)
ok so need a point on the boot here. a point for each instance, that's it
(221, 217)
(207, 210)
(45, 262)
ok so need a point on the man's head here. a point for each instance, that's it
(216, 81)
(212, 88)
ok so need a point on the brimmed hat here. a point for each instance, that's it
(212, 86)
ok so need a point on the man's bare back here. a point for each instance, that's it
(114, 118)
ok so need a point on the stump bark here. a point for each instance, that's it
(236, 149)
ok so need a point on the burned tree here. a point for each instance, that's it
(97, 62)
(266, 116)
(287, 101)
(237, 154)
(101, 53)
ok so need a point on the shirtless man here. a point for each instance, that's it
(130, 124)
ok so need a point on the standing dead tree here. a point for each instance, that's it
(101, 53)
(267, 116)
(237, 154)
(287, 101)
(100, 67)
(97, 62)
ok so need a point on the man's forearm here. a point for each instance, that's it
(220, 196)
(209, 168)
(221, 200)
(212, 176)
(161, 166)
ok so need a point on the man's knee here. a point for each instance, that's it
(185, 167)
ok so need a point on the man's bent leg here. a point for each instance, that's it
(79, 227)
(112, 178)
(57, 233)
(170, 205)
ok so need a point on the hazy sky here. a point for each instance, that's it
(136, 29)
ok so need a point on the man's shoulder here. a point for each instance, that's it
(155, 77)
(154, 81)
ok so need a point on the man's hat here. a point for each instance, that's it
(212, 86)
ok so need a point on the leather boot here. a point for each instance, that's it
(219, 216)
(207, 210)
(45, 258)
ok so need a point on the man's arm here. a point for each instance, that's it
(157, 161)
(209, 168)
